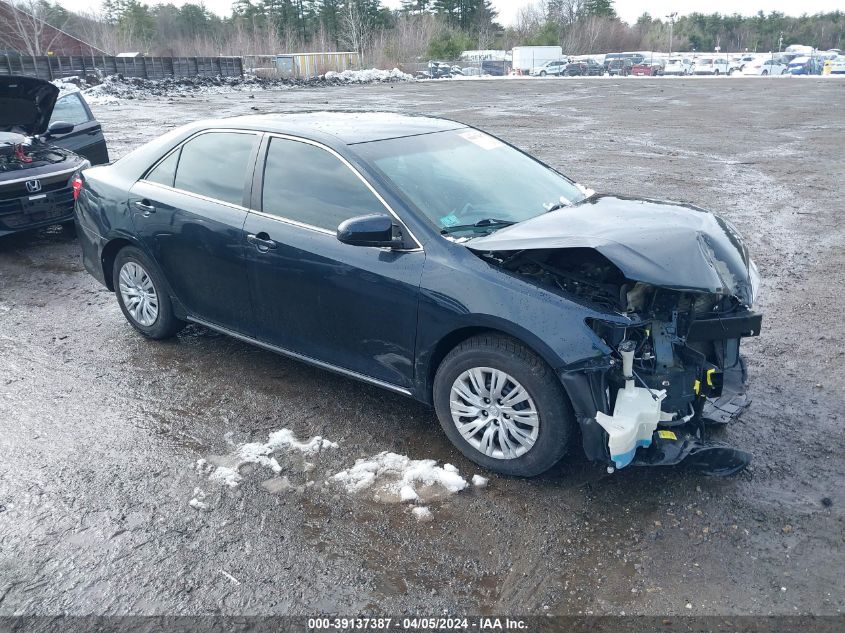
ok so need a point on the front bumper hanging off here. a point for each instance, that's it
(638, 423)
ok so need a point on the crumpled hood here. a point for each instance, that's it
(665, 244)
(26, 104)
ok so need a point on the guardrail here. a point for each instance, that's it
(55, 67)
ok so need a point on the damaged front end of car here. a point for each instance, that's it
(669, 290)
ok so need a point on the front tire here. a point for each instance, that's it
(142, 296)
(502, 406)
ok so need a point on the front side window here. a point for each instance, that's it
(307, 184)
(215, 165)
(70, 110)
(461, 177)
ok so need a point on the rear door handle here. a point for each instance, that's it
(261, 241)
(144, 206)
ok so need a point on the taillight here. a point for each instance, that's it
(77, 186)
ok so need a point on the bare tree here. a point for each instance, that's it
(406, 43)
(355, 27)
(23, 27)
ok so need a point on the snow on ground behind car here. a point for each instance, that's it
(373, 75)
(113, 89)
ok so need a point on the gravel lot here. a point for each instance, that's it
(100, 430)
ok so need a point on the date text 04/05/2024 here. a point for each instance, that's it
(416, 624)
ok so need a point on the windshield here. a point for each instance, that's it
(463, 177)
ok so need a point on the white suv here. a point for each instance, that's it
(678, 66)
(711, 66)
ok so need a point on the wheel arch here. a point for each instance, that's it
(116, 244)
(109, 254)
(455, 337)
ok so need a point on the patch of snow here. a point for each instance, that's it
(259, 453)
(395, 477)
(203, 467)
(422, 513)
(372, 75)
(479, 482)
(96, 99)
(407, 493)
(66, 85)
(225, 476)
(198, 503)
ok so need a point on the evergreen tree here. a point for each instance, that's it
(598, 9)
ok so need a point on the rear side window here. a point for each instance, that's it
(307, 184)
(215, 165)
(165, 171)
(70, 110)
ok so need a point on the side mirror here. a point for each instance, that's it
(377, 230)
(57, 128)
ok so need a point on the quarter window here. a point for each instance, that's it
(215, 165)
(307, 184)
(165, 171)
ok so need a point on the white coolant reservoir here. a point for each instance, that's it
(635, 415)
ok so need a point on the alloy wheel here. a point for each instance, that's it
(494, 413)
(138, 293)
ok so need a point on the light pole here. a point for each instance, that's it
(671, 17)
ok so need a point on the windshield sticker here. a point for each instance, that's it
(449, 220)
(481, 139)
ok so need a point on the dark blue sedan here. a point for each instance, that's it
(435, 260)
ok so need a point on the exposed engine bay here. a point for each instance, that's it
(674, 370)
(30, 153)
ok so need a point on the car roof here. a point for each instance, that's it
(347, 127)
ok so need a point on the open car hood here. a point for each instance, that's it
(664, 244)
(26, 104)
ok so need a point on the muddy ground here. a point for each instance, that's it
(100, 429)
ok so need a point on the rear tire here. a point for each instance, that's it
(142, 295)
(499, 434)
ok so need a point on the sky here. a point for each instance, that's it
(628, 10)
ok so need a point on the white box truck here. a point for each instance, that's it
(527, 57)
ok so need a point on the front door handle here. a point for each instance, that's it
(261, 241)
(145, 207)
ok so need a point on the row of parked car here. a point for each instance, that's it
(651, 65)
(624, 64)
